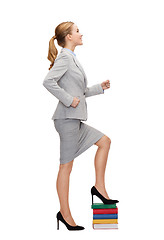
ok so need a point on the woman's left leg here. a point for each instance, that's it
(100, 164)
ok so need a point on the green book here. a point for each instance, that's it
(102, 205)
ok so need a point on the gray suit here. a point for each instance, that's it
(65, 80)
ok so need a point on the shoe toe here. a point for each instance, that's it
(80, 228)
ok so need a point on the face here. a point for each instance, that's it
(76, 36)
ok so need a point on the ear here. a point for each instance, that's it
(69, 36)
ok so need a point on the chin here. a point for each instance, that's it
(80, 43)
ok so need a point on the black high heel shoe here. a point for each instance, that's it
(69, 227)
(94, 191)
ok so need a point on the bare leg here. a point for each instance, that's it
(62, 185)
(100, 164)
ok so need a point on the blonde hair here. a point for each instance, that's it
(61, 32)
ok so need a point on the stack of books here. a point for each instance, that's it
(105, 216)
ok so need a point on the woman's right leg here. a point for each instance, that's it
(62, 185)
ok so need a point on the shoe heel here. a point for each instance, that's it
(57, 224)
(92, 199)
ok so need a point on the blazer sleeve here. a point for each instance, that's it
(55, 73)
(94, 90)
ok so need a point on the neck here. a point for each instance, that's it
(72, 48)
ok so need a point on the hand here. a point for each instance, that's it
(75, 102)
(106, 84)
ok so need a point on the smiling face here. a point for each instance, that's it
(75, 37)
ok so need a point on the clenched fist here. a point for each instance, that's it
(75, 102)
(106, 84)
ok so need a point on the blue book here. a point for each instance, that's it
(105, 216)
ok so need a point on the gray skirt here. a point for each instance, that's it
(75, 138)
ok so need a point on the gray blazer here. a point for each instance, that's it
(65, 80)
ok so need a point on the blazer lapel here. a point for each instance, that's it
(78, 65)
(81, 69)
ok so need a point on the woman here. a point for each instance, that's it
(67, 81)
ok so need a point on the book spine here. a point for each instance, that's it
(105, 216)
(105, 211)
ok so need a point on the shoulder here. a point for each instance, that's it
(64, 56)
(61, 60)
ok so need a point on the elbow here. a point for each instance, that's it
(45, 83)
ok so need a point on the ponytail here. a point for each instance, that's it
(61, 32)
(52, 52)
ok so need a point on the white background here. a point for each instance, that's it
(123, 42)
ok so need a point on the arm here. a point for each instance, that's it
(94, 90)
(50, 82)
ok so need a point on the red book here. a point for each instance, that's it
(105, 211)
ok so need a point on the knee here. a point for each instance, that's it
(67, 167)
(105, 141)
